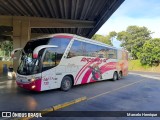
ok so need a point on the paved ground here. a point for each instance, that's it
(140, 95)
(147, 73)
(136, 92)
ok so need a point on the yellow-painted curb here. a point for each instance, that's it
(60, 106)
(46, 111)
(56, 107)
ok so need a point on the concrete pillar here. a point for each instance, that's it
(21, 34)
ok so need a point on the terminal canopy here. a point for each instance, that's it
(81, 17)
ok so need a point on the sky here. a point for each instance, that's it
(134, 12)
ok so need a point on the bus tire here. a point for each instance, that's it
(66, 83)
(115, 76)
(120, 75)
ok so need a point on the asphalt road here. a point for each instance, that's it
(138, 91)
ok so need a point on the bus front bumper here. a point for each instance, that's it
(33, 86)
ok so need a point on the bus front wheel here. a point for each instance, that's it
(66, 83)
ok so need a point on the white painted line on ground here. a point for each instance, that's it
(147, 76)
(114, 90)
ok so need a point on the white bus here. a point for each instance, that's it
(64, 60)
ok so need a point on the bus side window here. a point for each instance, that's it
(91, 50)
(112, 53)
(101, 52)
(75, 49)
(70, 55)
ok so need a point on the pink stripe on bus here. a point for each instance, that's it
(104, 69)
(87, 74)
(63, 36)
(88, 64)
(79, 73)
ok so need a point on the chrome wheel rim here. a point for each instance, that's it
(66, 84)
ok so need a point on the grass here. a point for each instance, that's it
(135, 65)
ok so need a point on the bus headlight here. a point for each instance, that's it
(33, 86)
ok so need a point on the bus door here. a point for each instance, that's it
(49, 80)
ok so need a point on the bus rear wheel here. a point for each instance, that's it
(120, 75)
(115, 76)
(66, 83)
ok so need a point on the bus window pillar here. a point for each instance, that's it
(21, 34)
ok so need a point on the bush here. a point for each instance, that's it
(151, 53)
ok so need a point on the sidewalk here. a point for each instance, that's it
(147, 74)
(4, 77)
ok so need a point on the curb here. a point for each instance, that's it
(56, 107)
(66, 104)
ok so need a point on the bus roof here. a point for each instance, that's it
(78, 38)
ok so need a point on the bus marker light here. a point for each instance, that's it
(32, 80)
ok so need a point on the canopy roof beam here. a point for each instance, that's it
(39, 22)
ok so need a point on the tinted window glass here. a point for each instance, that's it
(112, 53)
(28, 64)
(101, 52)
(82, 49)
(76, 49)
(62, 44)
(53, 56)
(86, 49)
(31, 45)
(49, 60)
(91, 50)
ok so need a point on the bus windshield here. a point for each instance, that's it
(30, 65)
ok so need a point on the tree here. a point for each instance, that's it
(6, 46)
(98, 37)
(105, 39)
(151, 52)
(133, 39)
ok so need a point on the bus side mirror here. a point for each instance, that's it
(37, 49)
(15, 50)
